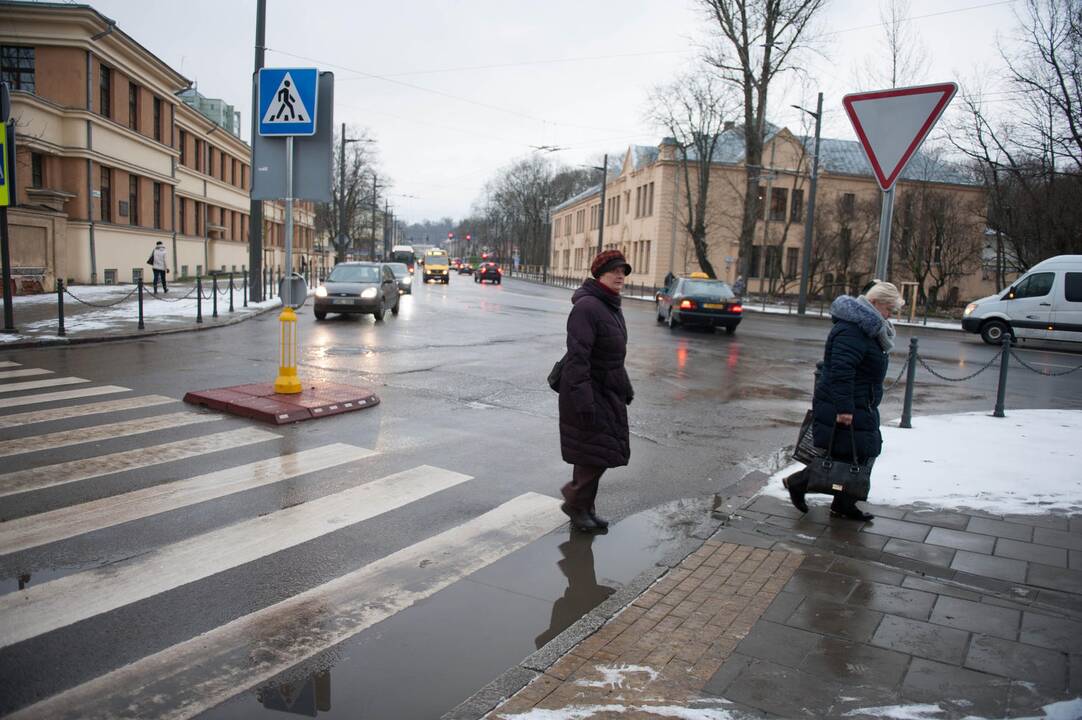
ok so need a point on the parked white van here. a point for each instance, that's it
(1043, 304)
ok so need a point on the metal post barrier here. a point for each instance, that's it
(230, 292)
(910, 377)
(141, 325)
(60, 308)
(214, 295)
(1001, 392)
(198, 299)
(244, 291)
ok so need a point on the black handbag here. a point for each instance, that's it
(831, 476)
(555, 373)
(805, 450)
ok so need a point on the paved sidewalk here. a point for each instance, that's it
(918, 614)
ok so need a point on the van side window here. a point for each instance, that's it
(1036, 285)
(1073, 288)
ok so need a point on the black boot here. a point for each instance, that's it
(580, 519)
(795, 484)
(844, 506)
(599, 521)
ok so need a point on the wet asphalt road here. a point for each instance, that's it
(461, 374)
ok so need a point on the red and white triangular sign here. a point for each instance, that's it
(892, 124)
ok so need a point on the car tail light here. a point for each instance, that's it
(736, 308)
(687, 304)
(498, 271)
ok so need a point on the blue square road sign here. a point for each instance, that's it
(288, 101)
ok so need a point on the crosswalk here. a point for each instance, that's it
(141, 436)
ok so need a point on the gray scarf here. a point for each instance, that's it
(886, 333)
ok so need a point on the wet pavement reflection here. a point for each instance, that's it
(583, 592)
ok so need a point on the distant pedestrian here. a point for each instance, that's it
(158, 263)
(850, 386)
(669, 279)
(594, 388)
(740, 286)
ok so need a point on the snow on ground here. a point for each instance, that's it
(1027, 463)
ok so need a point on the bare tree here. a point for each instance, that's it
(756, 41)
(351, 192)
(902, 59)
(693, 109)
(1030, 156)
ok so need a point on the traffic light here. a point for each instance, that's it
(467, 237)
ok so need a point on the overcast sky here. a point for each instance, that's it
(455, 90)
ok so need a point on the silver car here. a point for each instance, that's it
(358, 288)
(403, 277)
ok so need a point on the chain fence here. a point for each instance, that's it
(1046, 373)
(114, 303)
(924, 364)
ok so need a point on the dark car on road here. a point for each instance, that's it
(699, 301)
(488, 271)
(466, 268)
(358, 288)
(403, 276)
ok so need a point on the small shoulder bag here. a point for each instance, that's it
(555, 373)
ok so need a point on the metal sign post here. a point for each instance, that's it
(288, 106)
(892, 125)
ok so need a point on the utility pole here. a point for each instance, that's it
(601, 211)
(375, 210)
(809, 218)
(255, 207)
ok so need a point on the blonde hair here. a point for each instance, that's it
(885, 292)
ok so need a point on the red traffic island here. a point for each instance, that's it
(259, 401)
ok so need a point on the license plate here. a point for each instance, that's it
(343, 301)
(713, 306)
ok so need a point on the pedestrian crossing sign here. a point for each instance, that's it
(288, 101)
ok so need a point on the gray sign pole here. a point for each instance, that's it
(287, 286)
(885, 216)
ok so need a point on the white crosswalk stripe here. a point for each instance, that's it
(196, 674)
(75, 470)
(76, 411)
(8, 363)
(67, 600)
(61, 395)
(25, 372)
(23, 533)
(35, 384)
(244, 653)
(108, 431)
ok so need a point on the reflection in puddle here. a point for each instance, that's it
(583, 593)
(307, 698)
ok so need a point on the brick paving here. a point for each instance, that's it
(663, 648)
(939, 614)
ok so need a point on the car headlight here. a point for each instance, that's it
(969, 309)
(321, 291)
(368, 294)
(408, 281)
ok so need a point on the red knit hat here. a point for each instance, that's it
(608, 260)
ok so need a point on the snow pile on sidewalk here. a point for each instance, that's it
(1027, 463)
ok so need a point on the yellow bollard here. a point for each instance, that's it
(287, 382)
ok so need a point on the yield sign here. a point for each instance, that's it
(892, 124)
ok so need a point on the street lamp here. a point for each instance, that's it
(809, 219)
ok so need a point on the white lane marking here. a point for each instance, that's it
(92, 467)
(8, 363)
(194, 676)
(75, 411)
(62, 395)
(35, 384)
(26, 372)
(108, 431)
(67, 522)
(61, 602)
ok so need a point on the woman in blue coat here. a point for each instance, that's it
(850, 386)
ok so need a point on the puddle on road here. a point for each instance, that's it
(425, 660)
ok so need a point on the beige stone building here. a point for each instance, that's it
(110, 160)
(642, 194)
